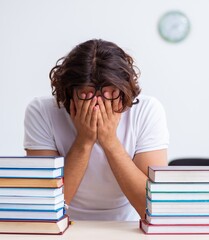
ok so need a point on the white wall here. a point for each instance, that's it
(35, 33)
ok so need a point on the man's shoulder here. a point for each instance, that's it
(145, 99)
(148, 107)
(146, 102)
(43, 102)
(44, 105)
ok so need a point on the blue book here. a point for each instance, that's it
(32, 214)
(31, 200)
(31, 172)
(178, 196)
(19, 206)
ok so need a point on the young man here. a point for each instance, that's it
(108, 133)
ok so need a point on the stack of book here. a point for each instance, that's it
(31, 195)
(177, 200)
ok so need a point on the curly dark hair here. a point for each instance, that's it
(99, 62)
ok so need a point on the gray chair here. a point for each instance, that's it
(189, 162)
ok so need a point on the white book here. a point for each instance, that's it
(32, 200)
(168, 220)
(16, 206)
(28, 214)
(177, 187)
(31, 161)
(187, 208)
(178, 173)
(37, 192)
(174, 196)
(31, 173)
(25, 226)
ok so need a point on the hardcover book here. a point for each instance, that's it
(175, 196)
(32, 200)
(169, 220)
(31, 162)
(177, 187)
(178, 173)
(29, 192)
(174, 229)
(19, 206)
(31, 214)
(31, 173)
(32, 182)
(180, 208)
(34, 227)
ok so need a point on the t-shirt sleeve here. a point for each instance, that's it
(37, 131)
(152, 128)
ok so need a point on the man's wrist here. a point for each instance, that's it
(82, 144)
(111, 145)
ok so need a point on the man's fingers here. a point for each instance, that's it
(100, 120)
(79, 104)
(102, 109)
(91, 109)
(116, 102)
(108, 103)
(94, 117)
(85, 106)
(72, 109)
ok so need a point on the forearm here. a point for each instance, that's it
(130, 178)
(76, 163)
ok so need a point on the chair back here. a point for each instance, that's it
(189, 162)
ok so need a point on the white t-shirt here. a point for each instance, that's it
(141, 128)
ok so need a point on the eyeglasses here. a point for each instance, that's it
(109, 92)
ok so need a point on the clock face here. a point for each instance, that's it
(174, 26)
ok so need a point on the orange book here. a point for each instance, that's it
(32, 182)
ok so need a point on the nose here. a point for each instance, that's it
(98, 91)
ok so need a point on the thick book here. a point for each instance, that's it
(32, 200)
(178, 173)
(174, 229)
(32, 182)
(34, 227)
(31, 161)
(180, 208)
(32, 214)
(29, 192)
(174, 196)
(19, 206)
(31, 173)
(168, 220)
(177, 187)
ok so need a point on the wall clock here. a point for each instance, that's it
(174, 26)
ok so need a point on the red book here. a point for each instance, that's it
(174, 228)
(34, 226)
